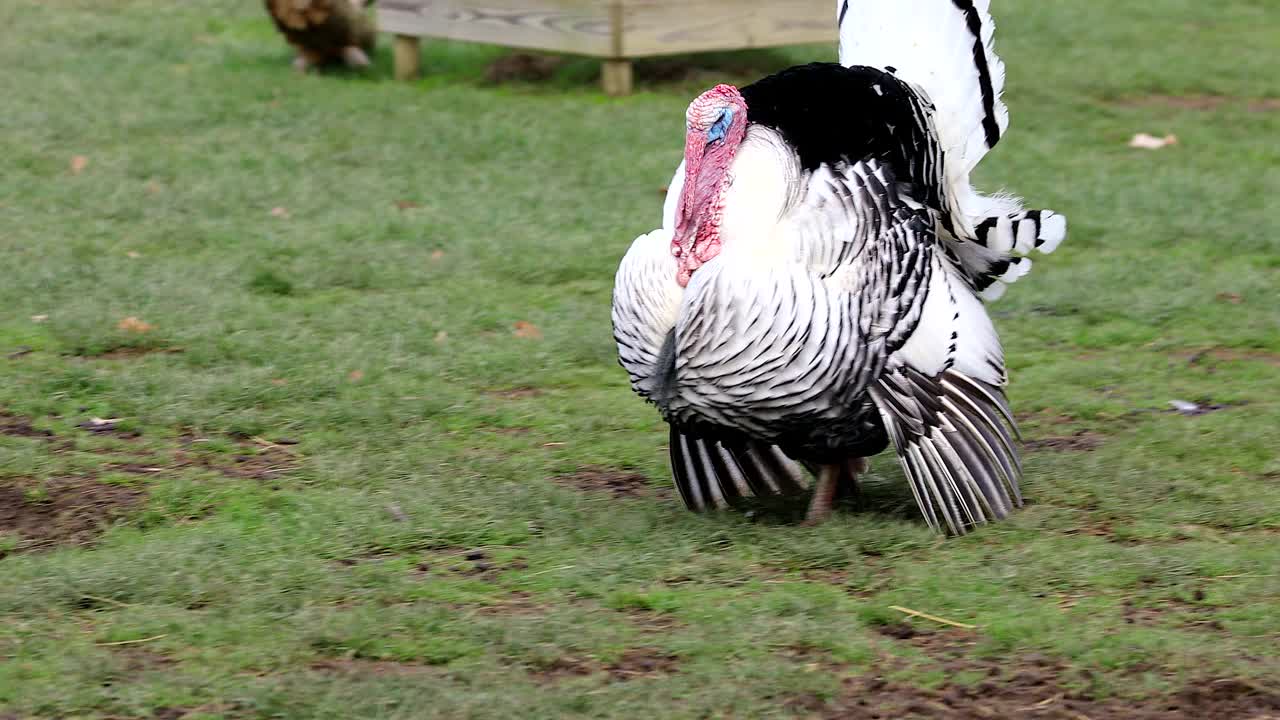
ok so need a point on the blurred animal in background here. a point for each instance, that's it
(816, 290)
(325, 31)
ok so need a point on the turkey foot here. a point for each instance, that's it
(354, 57)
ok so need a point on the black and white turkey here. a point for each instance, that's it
(816, 289)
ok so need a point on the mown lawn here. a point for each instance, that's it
(366, 452)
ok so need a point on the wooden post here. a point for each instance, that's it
(616, 77)
(615, 72)
(408, 57)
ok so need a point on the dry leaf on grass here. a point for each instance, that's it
(1233, 298)
(98, 424)
(134, 254)
(1151, 142)
(278, 382)
(78, 164)
(1190, 409)
(355, 375)
(437, 254)
(528, 330)
(407, 204)
(442, 336)
(133, 324)
(39, 318)
(153, 187)
(279, 212)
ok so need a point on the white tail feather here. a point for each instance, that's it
(932, 44)
(945, 49)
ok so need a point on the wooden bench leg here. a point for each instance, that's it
(616, 77)
(408, 57)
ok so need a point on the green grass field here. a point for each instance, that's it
(365, 451)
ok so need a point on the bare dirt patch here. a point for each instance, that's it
(17, 426)
(135, 660)
(562, 668)
(642, 662)
(1078, 441)
(1029, 685)
(1045, 418)
(251, 460)
(1199, 102)
(1050, 430)
(517, 602)
(75, 510)
(653, 621)
(813, 657)
(634, 664)
(218, 709)
(1209, 356)
(1177, 102)
(516, 393)
(62, 511)
(1172, 611)
(132, 353)
(364, 667)
(1035, 694)
(619, 483)
(519, 430)
(477, 563)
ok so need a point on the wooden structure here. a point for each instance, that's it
(615, 30)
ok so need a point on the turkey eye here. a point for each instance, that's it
(721, 126)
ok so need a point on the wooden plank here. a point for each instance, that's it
(408, 57)
(616, 77)
(661, 27)
(574, 26)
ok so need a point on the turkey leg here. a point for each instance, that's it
(824, 490)
(824, 494)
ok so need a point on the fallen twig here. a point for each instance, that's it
(554, 569)
(108, 601)
(133, 642)
(268, 444)
(1045, 702)
(935, 618)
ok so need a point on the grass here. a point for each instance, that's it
(340, 262)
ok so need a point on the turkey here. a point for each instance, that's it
(816, 290)
(325, 31)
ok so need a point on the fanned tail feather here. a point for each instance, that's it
(946, 50)
(952, 434)
(994, 253)
(1022, 232)
(712, 473)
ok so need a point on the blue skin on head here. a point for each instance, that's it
(721, 126)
